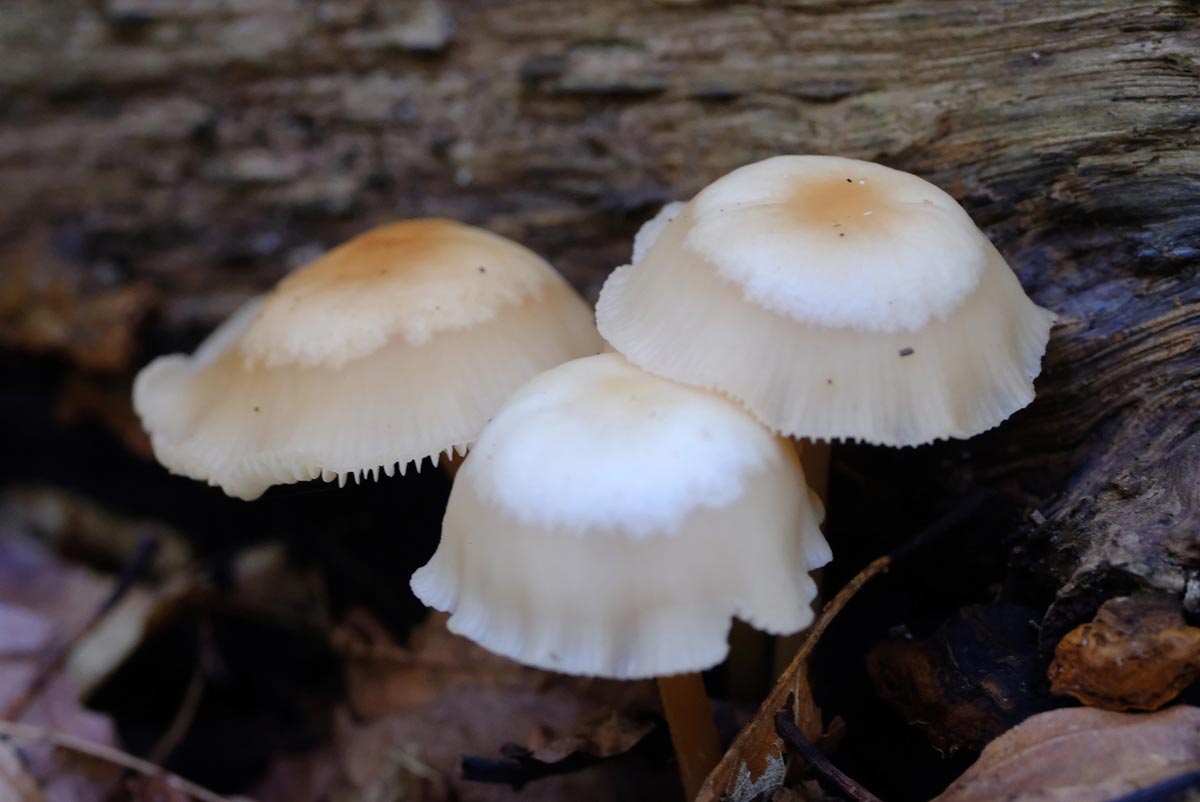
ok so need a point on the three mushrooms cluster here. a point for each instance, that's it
(615, 511)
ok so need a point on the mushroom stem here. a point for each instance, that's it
(450, 464)
(814, 459)
(693, 733)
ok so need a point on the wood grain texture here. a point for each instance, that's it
(206, 133)
(202, 147)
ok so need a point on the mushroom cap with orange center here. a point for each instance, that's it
(835, 298)
(396, 346)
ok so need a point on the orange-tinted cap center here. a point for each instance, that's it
(842, 202)
(381, 252)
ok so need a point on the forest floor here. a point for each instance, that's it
(293, 665)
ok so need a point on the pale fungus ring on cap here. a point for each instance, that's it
(397, 346)
(612, 523)
(836, 299)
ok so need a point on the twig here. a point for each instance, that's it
(789, 732)
(134, 569)
(790, 680)
(31, 733)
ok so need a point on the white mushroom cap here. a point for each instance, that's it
(835, 299)
(648, 233)
(396, 346)
(611, 523)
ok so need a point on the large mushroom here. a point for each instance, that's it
(612, 523)
(396, 346)
(835, 299)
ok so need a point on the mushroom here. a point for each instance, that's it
(834, 298)
(395, 346)
(612, 523)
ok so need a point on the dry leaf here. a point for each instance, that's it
(42, 599)
(415, 712)
(611, 734)
(16, 783)
(749, 786)
(37, 586)
(1082, 755)
(1136, 654)
(383, 677)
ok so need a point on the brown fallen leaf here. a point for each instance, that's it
(549, 754)
(1082, 755)
(611, 734)
(417, 755)
(1136, 654)
(414, 712)
(383, 677)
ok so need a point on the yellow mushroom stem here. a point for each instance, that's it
(450, 464)
(693, 733)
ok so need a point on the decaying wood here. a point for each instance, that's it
(977, 676)
(196, 149)
(206, 145)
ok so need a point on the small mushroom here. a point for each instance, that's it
(396, 346)
(612, 523)
(835, 298)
